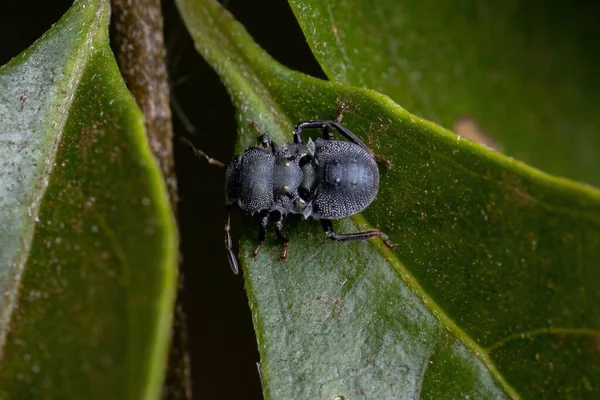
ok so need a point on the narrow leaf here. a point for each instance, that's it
(88, 248)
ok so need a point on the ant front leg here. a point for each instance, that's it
(262, 233)
(352, 237)
(282, 236)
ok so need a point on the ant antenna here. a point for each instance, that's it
(200, 154)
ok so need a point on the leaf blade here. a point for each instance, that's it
(17, 109)
(436, 201)
(94, 303)
(523, 77)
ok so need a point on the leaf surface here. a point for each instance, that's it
(490, 293)
(88, 247)
(519, 75)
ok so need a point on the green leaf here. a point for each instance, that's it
(491, 292)
(88, 247)
(526, 72)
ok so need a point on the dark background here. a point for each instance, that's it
(220, 334)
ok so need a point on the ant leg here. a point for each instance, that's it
(200, 154)
(382, 160)
(262, 233)
(350, 136)
(298, 135)
(339, 112)
(228, 245)
(331, 124)
(282, 236)
(345, 132)
(265, 142)
(327, 133)
(328, 127)
(328, 130)
(351, 237)
(263, 139)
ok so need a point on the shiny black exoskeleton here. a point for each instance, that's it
(326, 179)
